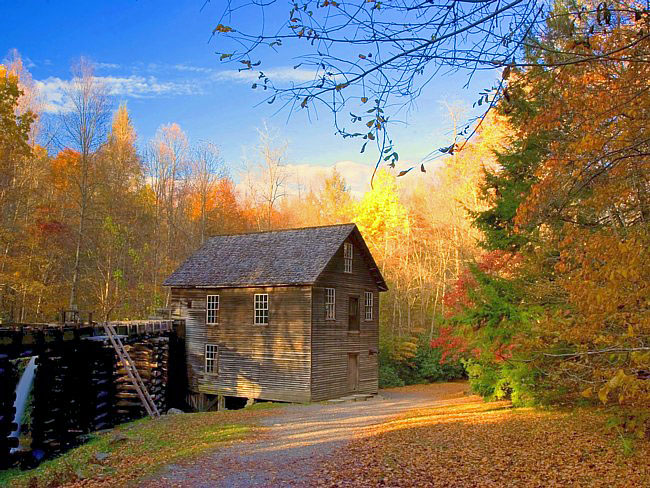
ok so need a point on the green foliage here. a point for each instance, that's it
(482, 377)
(512, 380)
(388, 375)
(14, 129)
(495, 300)
(497, 313)
(495, 324)
(424, 367)
(427, 362)
(497, 319)
(507, 189)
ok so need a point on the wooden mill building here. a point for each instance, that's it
(287, 315)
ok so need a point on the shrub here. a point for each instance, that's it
(504, 380)
(423, 367)
(429, 368)
(388, 376)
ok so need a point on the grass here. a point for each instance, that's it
(137, 449)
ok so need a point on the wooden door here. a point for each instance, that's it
(353, 313)
(353, 371)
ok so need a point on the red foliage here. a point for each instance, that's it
(495, 262)
(503, 352)
(458, 298)
(452, 347)
(46, 228)
(50, 227)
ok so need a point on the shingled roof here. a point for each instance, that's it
(282, 257)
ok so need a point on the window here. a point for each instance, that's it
(369, 298)
(330, 303)
(347, 257)
(212, 310)
(261, 309)
(211, 359)
(353, 314)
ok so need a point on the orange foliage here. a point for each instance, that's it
(220, 196)
(592, 206)
(64, 167)
(223, 210)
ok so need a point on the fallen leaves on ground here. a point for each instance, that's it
(475, 444)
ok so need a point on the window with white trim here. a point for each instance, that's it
(211, 359)
(330, 303)
(369, 303)
(212, 310)
(261, 309)
(347, 257)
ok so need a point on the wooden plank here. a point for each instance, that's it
(255, 361)
(332, 342)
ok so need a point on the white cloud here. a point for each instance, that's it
(192, 69)
(54, 89)
(53, 92)
(275, 74)
(140, 86)
(106, 65)
(146, 85)
(356, 175)
(305, 177)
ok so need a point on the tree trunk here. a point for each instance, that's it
(77, 254)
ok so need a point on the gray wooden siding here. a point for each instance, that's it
(331, 341)
(271, 362)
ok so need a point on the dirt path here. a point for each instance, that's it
(297, 439)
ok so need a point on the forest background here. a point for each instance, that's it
(91, 220)
(520, 258)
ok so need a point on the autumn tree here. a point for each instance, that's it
(15, 151)
(118, 229)
(229, 214)
(384, 223)
(335, 202)
(167, 164)
(84, 129)
(30, 99)
(206, 169)
(266, 176)
(329, 201)
(562, 314)
(591, 197)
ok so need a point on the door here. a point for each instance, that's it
(353, 313)
(353, 371)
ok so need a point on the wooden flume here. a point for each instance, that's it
(82, 384)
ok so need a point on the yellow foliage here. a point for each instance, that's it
(380, 216)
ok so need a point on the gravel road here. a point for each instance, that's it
(295, 440)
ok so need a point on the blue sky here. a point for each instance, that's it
(156, 57)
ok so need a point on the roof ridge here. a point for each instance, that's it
(238, 261)
(279, 230)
